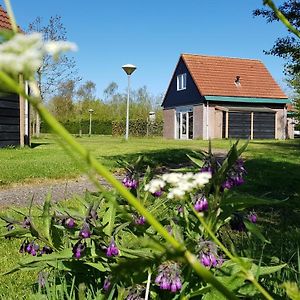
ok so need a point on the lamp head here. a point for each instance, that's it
(129, 69)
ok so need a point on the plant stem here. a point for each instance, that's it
(101, 170)
(248, 274)
(282, 17)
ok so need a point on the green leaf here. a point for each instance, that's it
(292, 290)
(255, 230)
(109, 219)
(260, 271)
(231, 282)
(196, 161)
(97, 266)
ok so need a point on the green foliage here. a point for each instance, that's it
(139, 128)
(98, 127)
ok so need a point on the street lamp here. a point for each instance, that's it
(129, 69)
(90, 129)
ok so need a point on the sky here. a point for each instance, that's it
(153, 34)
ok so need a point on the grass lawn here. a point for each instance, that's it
(273, 173)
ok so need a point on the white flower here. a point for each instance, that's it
(55, 48)
(200, 179)
(21, 54)
(24, 53)
(176, 193)
(155, 185)
(172, 178)
(186, 186)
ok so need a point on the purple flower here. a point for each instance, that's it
(106, 284)
(70, 223)
(139, 220)
(129, 182)
(157, 193)
(252, 217)
(209, 255)
(201, 204)
(85, 231)
(78, 249)
(168, 277)
(205, 260)
(112, 249)
(30, 248)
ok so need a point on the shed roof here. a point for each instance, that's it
(4, 20)
(217, 76)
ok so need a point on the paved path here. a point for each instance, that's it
(20, 195)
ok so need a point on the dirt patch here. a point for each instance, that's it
(21, 195)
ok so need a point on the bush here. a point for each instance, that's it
(98, 127)
(138, 128)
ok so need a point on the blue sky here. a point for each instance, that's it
(152, 35)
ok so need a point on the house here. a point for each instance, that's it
(14, 110)
(223, 97)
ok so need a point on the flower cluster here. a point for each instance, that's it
(130, 182)
(79, 249)
(34, 249)
(139, 220)
(168, 277)
(112, 249)
(23, 54)
(201, 204)
(69, 222)
(208, 255)
(136, 293)
(179, 183)
(85, 231)
(235, 176)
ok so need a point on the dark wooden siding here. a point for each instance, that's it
(239, 125)
(264, 125)
(188, 96)
(9, 120)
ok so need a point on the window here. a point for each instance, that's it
(181, 82)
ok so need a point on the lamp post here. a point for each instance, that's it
(129, 69)
(90, 129)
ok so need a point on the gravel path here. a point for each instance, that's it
(21, 195)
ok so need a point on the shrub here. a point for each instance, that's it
(98, 127)
(138, 128)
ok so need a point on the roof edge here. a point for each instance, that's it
(248, 99)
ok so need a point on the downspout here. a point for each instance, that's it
(207, 111)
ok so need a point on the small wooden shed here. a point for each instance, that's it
(14, 110)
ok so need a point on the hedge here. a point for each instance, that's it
(138, 128)
(98, 127)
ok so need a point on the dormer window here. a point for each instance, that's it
(237, 81)
(181, 82)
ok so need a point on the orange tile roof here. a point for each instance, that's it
(215, 76)
(5, 21)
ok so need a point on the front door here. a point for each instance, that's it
(184, 125)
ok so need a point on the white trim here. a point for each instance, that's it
(207, 116)
(181, 82)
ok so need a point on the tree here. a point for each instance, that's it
(61, 105)
(287, 47)
(52, 72)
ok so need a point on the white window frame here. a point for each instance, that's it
(181, 82)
